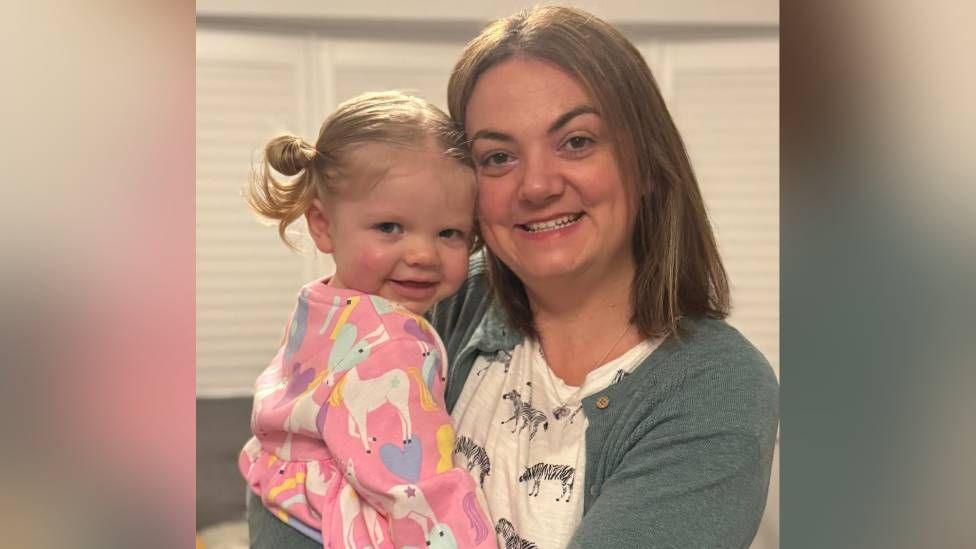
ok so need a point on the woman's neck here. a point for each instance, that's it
(581, 330)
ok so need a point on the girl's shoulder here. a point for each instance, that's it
(339, 310)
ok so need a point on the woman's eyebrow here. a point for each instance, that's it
(494, 135)
(563, 119)
(571, 114)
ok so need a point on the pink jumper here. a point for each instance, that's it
(352, 443)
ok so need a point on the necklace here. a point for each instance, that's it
(562, 410)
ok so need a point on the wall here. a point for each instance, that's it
(649, 12)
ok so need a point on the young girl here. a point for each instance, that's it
(352, 444)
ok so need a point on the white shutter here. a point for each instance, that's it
(351, 67)
(249, 87)
(725, 101)
(724, 96)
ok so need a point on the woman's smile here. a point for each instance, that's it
(553, 224)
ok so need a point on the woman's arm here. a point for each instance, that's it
(694, 470)
(699, 490)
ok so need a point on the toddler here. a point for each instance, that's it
(352, 443)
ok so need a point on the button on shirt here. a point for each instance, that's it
(521, 433)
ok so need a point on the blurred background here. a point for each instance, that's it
(264, 70)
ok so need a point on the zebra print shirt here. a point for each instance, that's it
(516, 437)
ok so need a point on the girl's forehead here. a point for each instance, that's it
(418, 203)
(411, 180)
(372, 164)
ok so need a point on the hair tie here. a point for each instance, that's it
(308, 152)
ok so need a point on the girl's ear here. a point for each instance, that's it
(320, 227)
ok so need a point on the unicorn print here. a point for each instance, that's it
(362, 396)
(296, 331)
(306, 412)
(351, 507)
(410, 502)
(366, 376)
(432, 364)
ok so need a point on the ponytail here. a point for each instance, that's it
(289, 155)
(285, 201)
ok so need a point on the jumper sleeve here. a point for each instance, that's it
(694, 475)
(392, 438)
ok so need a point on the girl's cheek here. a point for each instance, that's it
(369, 260)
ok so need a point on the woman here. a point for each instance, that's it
(596, 391)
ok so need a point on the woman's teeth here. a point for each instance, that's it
(552, 224)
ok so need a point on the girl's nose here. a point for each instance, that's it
(422, 253)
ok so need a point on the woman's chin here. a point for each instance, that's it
(550, 270)
(582, 269)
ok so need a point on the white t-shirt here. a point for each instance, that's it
(521, 433)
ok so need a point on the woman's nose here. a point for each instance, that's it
(541, 182)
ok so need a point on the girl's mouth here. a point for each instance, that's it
(414, 290)
(417, 284)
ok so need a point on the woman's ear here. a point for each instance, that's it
(320, 227)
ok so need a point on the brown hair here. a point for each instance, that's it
(389, 117)
(678, 269)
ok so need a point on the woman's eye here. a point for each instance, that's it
(495, 159)
(389, 228)
(496, 164)
(578, 142)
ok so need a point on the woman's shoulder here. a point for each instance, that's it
(715, 370)
(709, 340)
(708, 343)
(467, 305)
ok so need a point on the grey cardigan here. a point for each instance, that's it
(681, 455)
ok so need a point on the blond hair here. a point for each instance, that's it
(678, 269)
(324, 169)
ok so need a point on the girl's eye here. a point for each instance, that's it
(451, 233)
(389, 228)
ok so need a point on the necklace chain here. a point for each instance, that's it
(562, 409)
